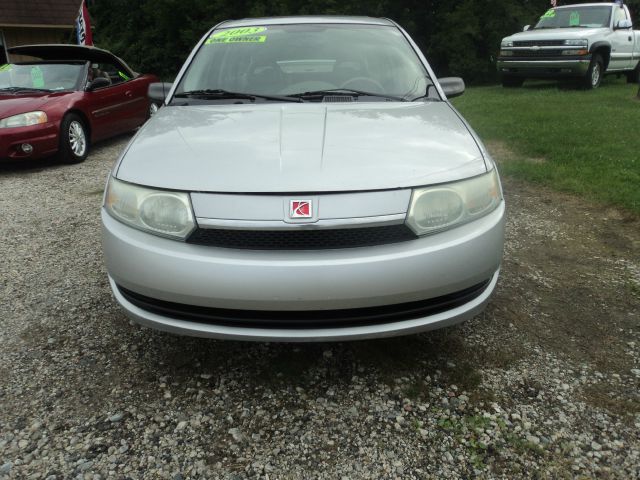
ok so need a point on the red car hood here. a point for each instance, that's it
(11, 104)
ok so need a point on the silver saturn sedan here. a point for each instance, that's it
(306, 179)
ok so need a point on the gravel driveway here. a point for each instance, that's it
(544, 384)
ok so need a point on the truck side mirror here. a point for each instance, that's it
(623, 24)
(526, 28)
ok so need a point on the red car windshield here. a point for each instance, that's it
(46, 76)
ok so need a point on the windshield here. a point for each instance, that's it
(47, 76)
(283, 60)
(574, 17)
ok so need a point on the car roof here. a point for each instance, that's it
(604, 4)
(310, 19)
(71, 52)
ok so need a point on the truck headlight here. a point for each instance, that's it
(164, 213)
(577, 43)
(441, 207)
(24, 120)
(506, 53)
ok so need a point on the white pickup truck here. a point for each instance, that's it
(584, 41)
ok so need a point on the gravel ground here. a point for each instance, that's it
(544, 384)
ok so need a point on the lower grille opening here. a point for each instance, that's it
(353, 317)
(320, 239)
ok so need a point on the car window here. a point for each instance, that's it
(575, 17)
(293, 59)
(50, 76)
(618, 15)
(109, 72)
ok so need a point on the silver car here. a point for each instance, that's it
(306, 180)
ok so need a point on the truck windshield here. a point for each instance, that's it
(576, 17)
(40, 76)
(283, 60)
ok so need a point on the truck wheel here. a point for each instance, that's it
(509, 81)
(593, 78)
(74, 139)
(634, 75)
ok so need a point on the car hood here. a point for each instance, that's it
(11, 104)
(299, 148)
(558, 34)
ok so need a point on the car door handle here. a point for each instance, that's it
(129, 93)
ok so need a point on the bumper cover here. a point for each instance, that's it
(544, 68)
(43, 139)
(304, 281)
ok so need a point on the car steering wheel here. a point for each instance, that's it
(378, 88)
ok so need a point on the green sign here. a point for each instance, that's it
(5, 68)
(123, 76)
(574, 19)
(238, 35)
(550, 14)
(37, 78)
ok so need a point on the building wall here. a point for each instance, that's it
(14, 36)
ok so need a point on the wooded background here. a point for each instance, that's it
(459, 37)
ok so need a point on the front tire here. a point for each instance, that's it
(593, 78)
(74, 139)
(509, 81)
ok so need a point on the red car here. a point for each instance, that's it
(72, 97)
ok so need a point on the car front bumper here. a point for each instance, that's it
(310, 283)
(43, 138)
(544, 68)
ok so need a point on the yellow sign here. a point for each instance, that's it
(238, 35)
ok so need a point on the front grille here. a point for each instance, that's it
(320, 239)
(538, 43)
(344, 318)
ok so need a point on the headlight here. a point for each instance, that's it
(164, 213)
(576, 43)
(506, 53)
(506, 43)
(24, 120)
(442, 207)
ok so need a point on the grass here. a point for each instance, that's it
(584, 142)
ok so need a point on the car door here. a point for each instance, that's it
(622, 41)
(118, 107)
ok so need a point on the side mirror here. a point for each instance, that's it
(526, 28)
(624, 24)
(97, 83)
(452, 86)
(158, 91)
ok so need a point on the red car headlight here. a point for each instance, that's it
(24, 120)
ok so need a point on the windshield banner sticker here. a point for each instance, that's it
(37, 78)
(574, 19)
(238, 35)
(550, 14)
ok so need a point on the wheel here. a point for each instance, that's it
(509, 81)
(593, 78)
(378, 88)
(74, 139)
(634, 75)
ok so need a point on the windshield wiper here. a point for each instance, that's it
(24, 89)
(220, 94)
(317, 94)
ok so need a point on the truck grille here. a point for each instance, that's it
(538, 43)
(320, 239)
